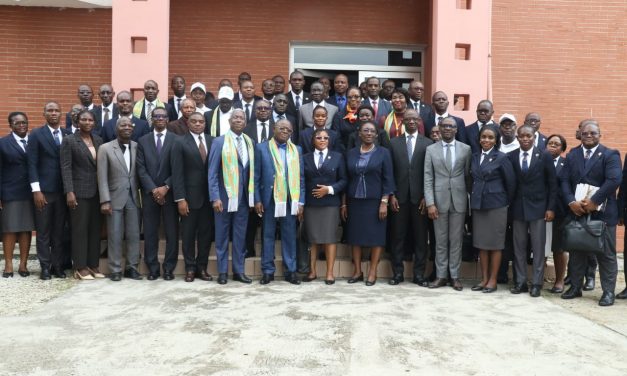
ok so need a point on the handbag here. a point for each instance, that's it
(584, 234)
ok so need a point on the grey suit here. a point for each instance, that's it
(119, 186)
(448, 190)
(306, 115)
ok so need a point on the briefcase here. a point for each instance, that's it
(584, 234)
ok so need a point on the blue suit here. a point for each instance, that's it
(305, 143)
(493, 181)
(264, 187)
(109, 129)
(227, 223)
(332, 173)
(14, 184)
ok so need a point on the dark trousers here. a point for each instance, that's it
(408, 219)
(85, 223)
(49, 224)
(154, 215)
(591, 266)
(523, 232)
(227, 225)
(197, 232)
(608, 265)
(254, 221)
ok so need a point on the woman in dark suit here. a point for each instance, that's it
(320, 115)
(348, 118)
(80, 183)
(365, 113)
(325, 180)
(493, 188)
(370, 183)
(556, 145)
(16, 200)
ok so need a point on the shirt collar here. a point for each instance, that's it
(488, 152)
(18, 138)
(154, 103)
(282, 146)
(452, 143)
(163, 132)
(594, 149)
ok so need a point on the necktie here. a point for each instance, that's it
(178, 105)
(410, 149)
(483, 156)
(555, 162)
(240, 150)
(375, 107)
(449, 157)
(341, 102)
(297, 102)
(201, 149)
(159, 143)
(440, 119)
(57, 140)
(247, 112)
(281, 117)
(149, 113)
(23, 141)
(525, 165)
(264, 133)
(320, 159)
(416, 106)
(587, 157)
(107, 116)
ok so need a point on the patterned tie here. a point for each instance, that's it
(178, 105)
(264, 133)
(587, 157)
(525, 165)
(375, 107)
(149, 113)
(440, 119)
(297, 102)
(449, 157)
(201, 149)
(107, 116)
(240, 150)
(483, 156)
(410, 149)
(23, 141)
(57, 140)
(159, 143)
(320, 159)
(247, 112)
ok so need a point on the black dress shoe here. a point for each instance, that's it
(439, 282)
(556, 290)
(292, 278)
(589, 285)
(607, 299)
(242, 278)
(132, 274)
(45, 275)
(309, 279)
(457, 284)
(502, 281)
(59, 273)
(153, 276)
(203, 275)
(266, 278)
(535, 291)
(622, 294)
(489, 290)
(23, 273)
(572, 293)
(222, 278)
(353, 279)
(7, 274)
(518, 288)
(477, 288)
(396, 280)
(190, 276)
(168, 276)
(115, 277)
(420, 281)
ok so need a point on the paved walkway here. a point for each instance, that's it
(170, 328)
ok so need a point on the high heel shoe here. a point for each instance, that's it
(359, 278)
(96, 274)
(78, 275)
(371, 283)
(23, 273)
(7, 274)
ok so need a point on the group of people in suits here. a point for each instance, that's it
(216, 169)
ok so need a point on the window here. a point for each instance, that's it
(462, 51)
(139, 45)
(461, 102)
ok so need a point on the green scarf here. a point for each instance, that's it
(389, 120)
(214, 121)
(230, 170)
(293, 178)
(139, 105)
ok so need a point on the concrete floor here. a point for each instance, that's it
(171, 328)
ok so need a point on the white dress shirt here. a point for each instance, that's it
(443, 116)
(176, 105)
(154, 133)
(154, 105)
(18, 139)
(244, 155)
(260, 129)
(224, 121)
(521, 156)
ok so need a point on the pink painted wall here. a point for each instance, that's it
(151, 19)
(453, 76)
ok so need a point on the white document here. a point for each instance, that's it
(586, 191)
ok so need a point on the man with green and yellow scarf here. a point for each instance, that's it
(279, 197)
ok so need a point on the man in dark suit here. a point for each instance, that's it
(533, 206)
(44, 172)
(440, 105)
(407, 203)
(534, 120)
(190, 186)
(416, 94)
(340, 86)
(143, 107)
(154, 168)
(217, 121)
(485, 110)
(125, 106)
(230, 184)
(85, 96)
(107, 110)
(381, 108)
(296, 97)
(247, 99)
(594, 164)
(179, 126)
(279, 151)
(119, 200)
(177, 84)
(76, 108)
(279, 84)
(279, 111)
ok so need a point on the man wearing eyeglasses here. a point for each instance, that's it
(485, 110)
(534, 120)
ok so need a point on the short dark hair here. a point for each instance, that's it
(562, 140)
(85, 111)
(14, 114)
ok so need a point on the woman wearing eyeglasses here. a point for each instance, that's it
(365, 204)
(348, 115)
(325, 180)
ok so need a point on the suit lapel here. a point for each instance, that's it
(15, 145)
(84, 149)
(593, 159)
(191, 142)
(120, 156)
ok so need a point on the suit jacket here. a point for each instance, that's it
(109, 131)
(178, 126)
(251, 130)
(382, 140)
(98, 115)
(115, 181)
(305, 119)
(493, 181)
(409, 176)
(383, 107)
(265, 174)
(561, 210)
(209, 116)
(139, 110)
(378, 175)
(14, 183)
(536, 189)
(603, 170)
(217, 190)
(155, 170)
(333, 100)
(429, 123)
(306, 145)
(240, 104)
(44, 164)
(291, 106)
(172, 113)
(78, 166)
(189, 172)
(236, 97)
(332, 173)
(445, 188)
(541, 141)
(472, 136)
